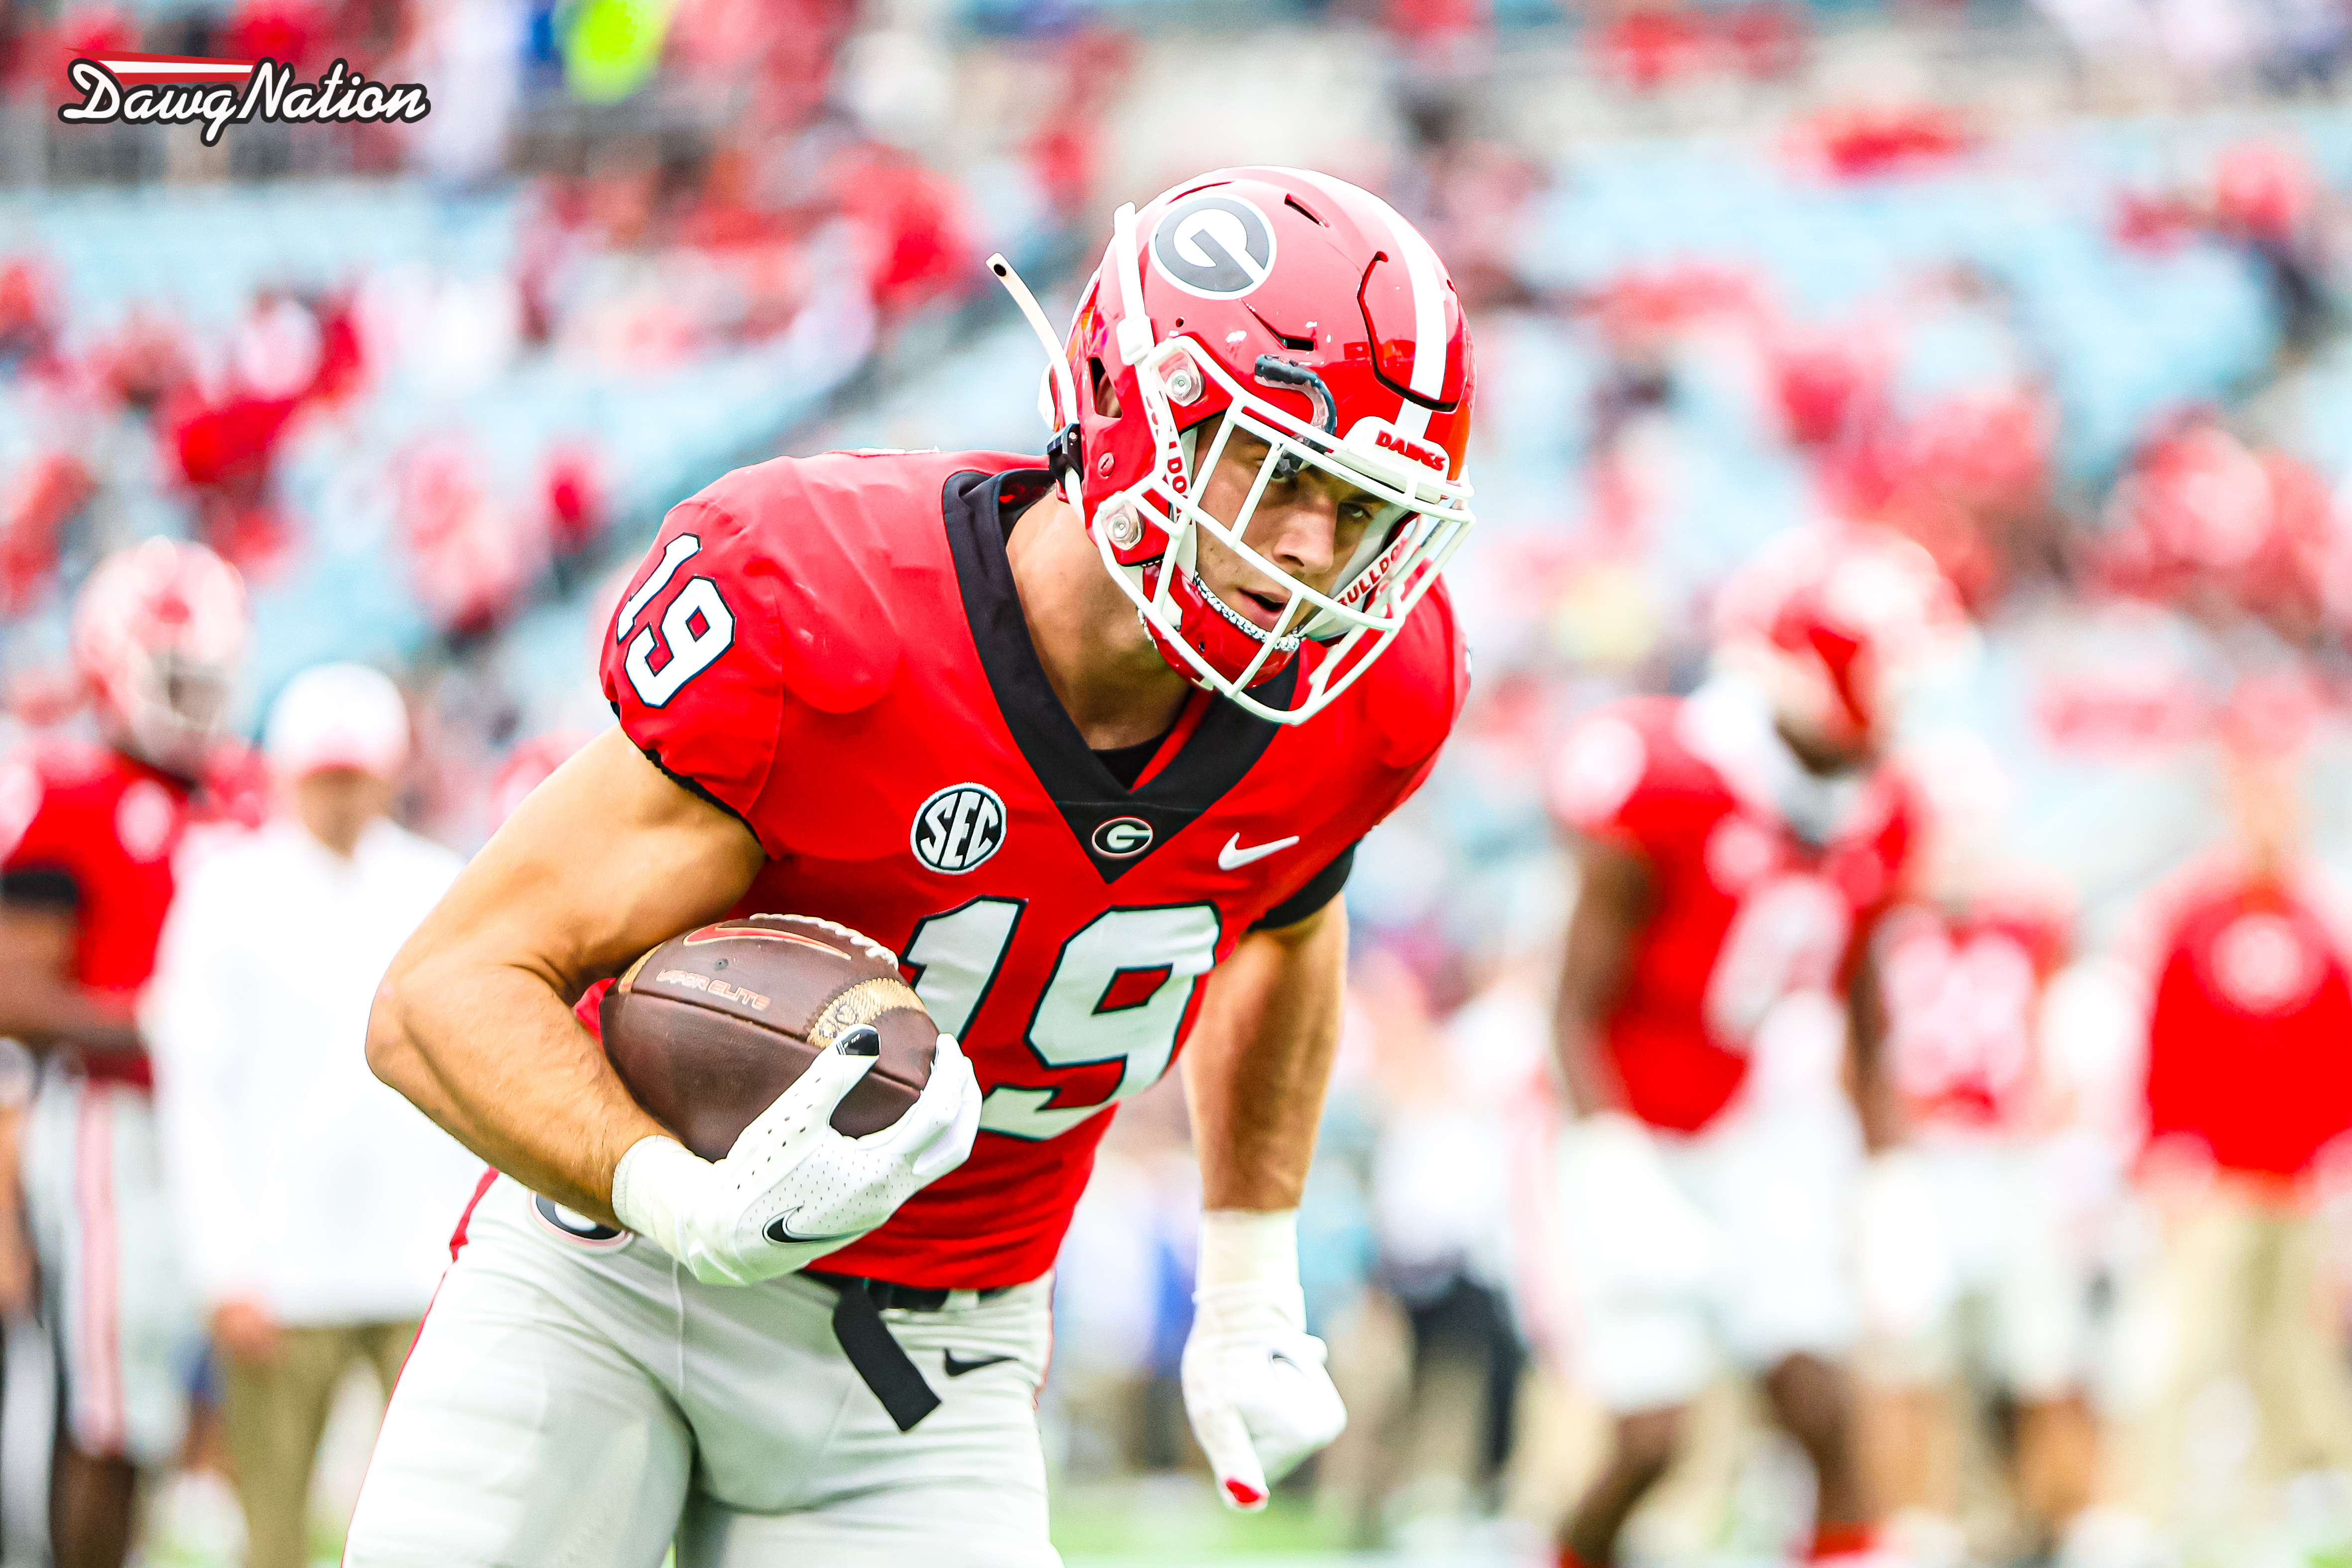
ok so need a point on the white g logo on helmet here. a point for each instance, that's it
(1216, 245)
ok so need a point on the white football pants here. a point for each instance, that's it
(1756, 1205)
(129, 1333)
(584, 1403)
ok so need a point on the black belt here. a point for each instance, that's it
(880, 1360)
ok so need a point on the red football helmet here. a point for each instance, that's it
(1836, 621)
(158, 633)
(1313, 318)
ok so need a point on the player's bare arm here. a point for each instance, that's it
(1254, 1074)
(1260, 1060)
(1867, 1076)
(41, 1005)
(473, 1021)
(1612, 905)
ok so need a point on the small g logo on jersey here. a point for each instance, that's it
(1122, 837)
(1218, 246)
(958, 827)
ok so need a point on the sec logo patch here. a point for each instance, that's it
(958, 827)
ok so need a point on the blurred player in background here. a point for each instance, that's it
(2249, 1102)
(1969, 1286)
(267, 964)
(90, 834)
(1068, 739)
(1704, 1186)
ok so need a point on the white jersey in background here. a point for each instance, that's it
(299, 1181)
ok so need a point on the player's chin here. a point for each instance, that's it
(1260, 603)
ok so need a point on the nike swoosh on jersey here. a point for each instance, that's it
(783, 1235)
(958, 1368)
(1233, 856)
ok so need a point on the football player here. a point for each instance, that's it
(1089, 743)
(1966, 1264)
(1698, 1024)
(88, 835)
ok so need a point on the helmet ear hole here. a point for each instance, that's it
(1106, 395)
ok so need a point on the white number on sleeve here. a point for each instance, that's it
(695, 629)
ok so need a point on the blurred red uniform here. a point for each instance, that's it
(1731, 844)
(1741, 914)
(92, 834)
(1733, 966)
(89, 837)
(2249, 1037)
(1965, 1254)
(2249, 1081)
(1961, 993)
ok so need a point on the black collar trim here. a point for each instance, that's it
(980, 510)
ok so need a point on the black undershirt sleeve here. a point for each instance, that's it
(1319, 890)
(42, 887)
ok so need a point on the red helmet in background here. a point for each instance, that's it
(1315, 319)
(1836, 621)
(158, 634)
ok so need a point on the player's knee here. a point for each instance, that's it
(1646, 1443)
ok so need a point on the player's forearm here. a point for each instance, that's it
(1260, 1060)
(1590, 1082)
(1866, 1080)
(41, 1013)
(1604, 928)
(491, 1053)
(1589, 985)
(41, 1004)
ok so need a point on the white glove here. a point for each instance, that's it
(793, 1189)
(1254, 1380)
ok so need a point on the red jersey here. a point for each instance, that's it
(2249, 1037)
(833, 649)
(1961, 996)
(1874, 857)
(91, 832)
(1740, 918)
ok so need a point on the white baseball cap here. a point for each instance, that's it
(337, 716)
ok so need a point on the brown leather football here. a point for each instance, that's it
(707, 1028)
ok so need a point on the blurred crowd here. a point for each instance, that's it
(1946, 1160)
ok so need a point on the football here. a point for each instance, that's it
(707, 1028)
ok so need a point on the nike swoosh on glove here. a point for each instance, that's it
(1255, 1385)
(792, 1189)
